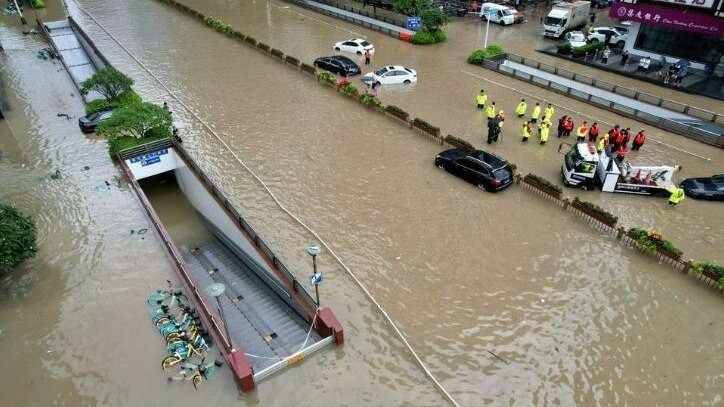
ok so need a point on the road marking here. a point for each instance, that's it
(576, 112)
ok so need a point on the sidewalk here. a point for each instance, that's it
(695, 82)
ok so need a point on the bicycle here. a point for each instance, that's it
(185, 351)
(196, 373)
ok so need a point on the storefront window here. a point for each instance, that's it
(680, 44)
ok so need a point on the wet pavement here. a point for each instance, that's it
(575, 318)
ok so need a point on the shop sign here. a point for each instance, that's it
(682, 20)
(691, 3)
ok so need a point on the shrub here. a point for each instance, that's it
(108, 81)
(349, 90)
(432, 19)
(126, 98)
(543, 184)
(137, 120)
(425, 37)
(291, 60)
(370, 100)
(277, 53)
(263, 47)
(411, 7)
(564, 49)
(17, 238)
(397, 112)
(596, 211)
(37, 4)
(326, 78)
(480, 55)
(711, 270)
(308, 69)
(459, 143)
(652, 242)
(426, 127)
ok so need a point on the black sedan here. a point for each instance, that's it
(711, 188)
(485, 170)
(338, 64)
(88, 123)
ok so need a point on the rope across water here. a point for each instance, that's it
(349, 272)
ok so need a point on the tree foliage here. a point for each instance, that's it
(433, 19)
(411, 7)
(108, 81)
(17, 238)
(137, 121)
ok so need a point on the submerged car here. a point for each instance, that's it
(355, 45)
(711, 188)
(338, 64)
(390, 75)
(89, 122)
(485, 170)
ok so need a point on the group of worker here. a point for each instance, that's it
(615, 141)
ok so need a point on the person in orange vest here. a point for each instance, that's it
(613, 138)
(568, 126)
(582, 131)
(593, 132)
(638, 140)
(626, 136)
(621, 153)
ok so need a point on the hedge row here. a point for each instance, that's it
(652, 242)
(397, 112)
(426, 127)
(275, 52)
(711, 270)
(459, 143)
(595, 211)
(543, 184)
(291, 60)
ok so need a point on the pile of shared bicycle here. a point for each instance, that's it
(187, 344)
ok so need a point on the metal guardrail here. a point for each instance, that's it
(131, 152)
(697, 112)
(689, 131)
(391, 33)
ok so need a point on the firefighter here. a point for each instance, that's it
(521, 108)
(481, 99)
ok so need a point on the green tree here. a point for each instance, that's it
(17, 238)
(433, 19)
(411, 7)
(108, 81)
(137, 121)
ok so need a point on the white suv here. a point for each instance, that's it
(616, 37)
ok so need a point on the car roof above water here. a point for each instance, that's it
(493, 160)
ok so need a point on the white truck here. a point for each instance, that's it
(565, 17)
(583, 167)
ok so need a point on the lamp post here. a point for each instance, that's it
(316, 278)
(216, 290)
(487, 27)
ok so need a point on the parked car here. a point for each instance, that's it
(711, 188)
(89, 122)
(485, 170)
(575, 38)
(338, 64)
(390, 75)
(498, 13)
(615, 36)
(355, 45)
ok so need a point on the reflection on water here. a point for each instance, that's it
(509, 300)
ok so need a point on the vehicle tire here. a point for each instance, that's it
(440, 166)
(585, 187)
(621, 44)
(407, 82)
(337, 49)
(482, 187)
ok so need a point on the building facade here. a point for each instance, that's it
(674, 30)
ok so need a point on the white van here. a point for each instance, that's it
(500, 14)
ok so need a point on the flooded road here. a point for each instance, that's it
(575, 318)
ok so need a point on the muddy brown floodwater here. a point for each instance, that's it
(576, 318)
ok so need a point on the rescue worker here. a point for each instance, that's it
(548, 113)
(621, 153)
(545, 130)
(481, 99)
(493, 129)
(562, 126)
(593, 132)
(490, 111)
(626, 136)
(677, 195)
(527, 131)
(536, 113)
(582, 132)
(521, 108)
(613, 137)
(638, 140)
(568, 126)
(601, 144)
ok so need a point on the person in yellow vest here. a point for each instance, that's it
(677, 195)
(481, 99)
(521, 108)
(536, 113)
(601, 144)
(490, 111)
(548, 113)
(582, 132)
(527, 131)
(545, 131)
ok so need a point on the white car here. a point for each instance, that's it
(356, 45)
(575, 38)
(392, 75)
(617, 36)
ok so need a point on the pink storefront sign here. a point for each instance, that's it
(682, 20)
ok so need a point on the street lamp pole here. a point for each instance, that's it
(487, 27)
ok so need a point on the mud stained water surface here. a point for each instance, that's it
(573, 317)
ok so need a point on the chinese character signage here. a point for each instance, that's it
(691, 3)
(682, 20)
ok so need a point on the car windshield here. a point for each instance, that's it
(577, 37)
(575, 160)
(502, 174)
(553, 21)
(381, 72)
(364, 43)
(93, 116)
(507, 12)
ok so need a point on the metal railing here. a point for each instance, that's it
(391, 33)
(128, 153)
(686, 130)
